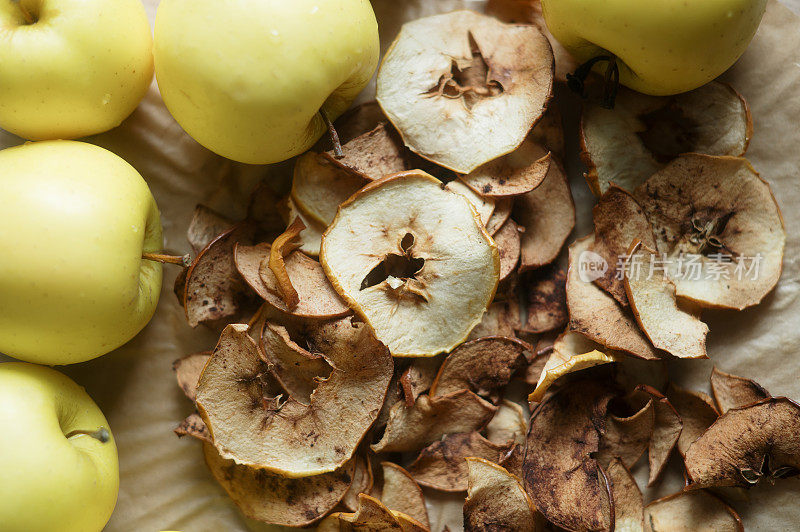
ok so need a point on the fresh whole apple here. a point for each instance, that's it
(251, 79)
(76, 220)
(58, 461)
(661, 47)
(71, 68)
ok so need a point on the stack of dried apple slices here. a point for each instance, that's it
(407, 320)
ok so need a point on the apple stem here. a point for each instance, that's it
(102, 435)
(577, 80)
(29, 18)
(337, 145)
(184, 260)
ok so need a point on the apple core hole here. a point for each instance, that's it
(403, 266)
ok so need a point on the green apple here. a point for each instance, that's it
(76, 220)
(71, 68)
(58, 461)
(662, 46)
(248, 78)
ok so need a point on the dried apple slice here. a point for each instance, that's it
(484, 366)
(187, 371)
(548, 215)
(508, 241)
(509, 424)
(732, 391)
(627, 438)
(501, 214)
(564, 480)
(372, 155)
(213, 291)
(442, 465)
(497, 501)
(718, 227)
(289, 437)
(501, 319)
(668, 325)
(205, 226)
(618, 221)
(517, 173)
(411, 428)
(310, 239)
(316, 297)
(273, 269)
(406, 254)
(318, 187)
(362, 482)
(401, 493)
(628, 501)
(372, 516)
(483, 205)
(419, 377)
(746, 445)
(697, 413)
(297, 370)
(195, 427)
(691, 511)
(560, 363)
(667, 429)
(448, 79)
(545, 296)
(595, 314)
(642, 133)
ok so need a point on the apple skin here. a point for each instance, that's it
(50, 482)
(80, 69)
(246, 78)
(663, 47)
(76, 219)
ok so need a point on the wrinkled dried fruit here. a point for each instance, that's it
(565, 482)
(205, 226)
(195, 427)
(642, 133)
(372, 515)
(627, 438)
(547, 214)
(442, 465)
(372, 155)
(311, 238)
(519, 172)
(545, 294)
(718, 228)
(419, 377)
(274, 269)
(255, 428)
(401, 493)
(507, 239)
(746, 445)
(484, 205)
(500, 319)
(697, 413)
(667, 429)
(669, 326)
(406, 253)
(187, 371)
(275, 499)
(509, 424)
(362, 482)
(628, 502)
(411, 428)
(732, 391)
(318, 187)
(560, 364)
(691, 511)
(501, 213)
(448, 79)
(497, 501)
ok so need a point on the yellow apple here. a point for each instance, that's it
(75, 220)
(247, 78)
(58, 461)
(662, 46)
(71, 68)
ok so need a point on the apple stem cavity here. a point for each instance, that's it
(30, 19)
(337, 145)
(577, 80)
(183, 260)
(102, 434)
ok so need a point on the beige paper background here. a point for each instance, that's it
(164, 483)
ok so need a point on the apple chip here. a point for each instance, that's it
(628, 501)
(283, 245)
(411, 428)
(275, 499)
(545, 296)
(513, 459)
(318, 187)
(496, 500)
(618, 221)
(595, 314)
(732, 391)
(697, 413)
(310, 238)
(501, 319)
(746, 445)
(372, 515)
(414, 260)
(484, 366)
(297, 370)
(442, 465)
(372, 155)
(419, 377)
(213, 291)
(362, 482)
(195, 427)
(560, 364)
(355, 122)
(187, 371)
(548, 215)
(288, 437)
(718, 228)
(627, 438)
(316, 297)
(401, 493)
(507, 239)
(501, 214)
(564, 480)
(691, 511)
(668, 325)
(449, 79)
(509, 424)
(205, 226)
(483, 205)
(264, 209)
(642, 133)
(519, 172)
(667, 429)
